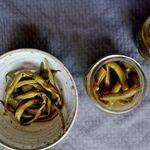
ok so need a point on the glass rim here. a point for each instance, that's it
(109, 58)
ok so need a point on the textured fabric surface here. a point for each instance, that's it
(78, 32)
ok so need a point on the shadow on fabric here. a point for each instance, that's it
(138, 17)
(28, 36)
(90, 50)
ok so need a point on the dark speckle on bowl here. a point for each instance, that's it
(47, 144)
(5, 114)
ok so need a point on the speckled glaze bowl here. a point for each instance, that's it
(38, 135)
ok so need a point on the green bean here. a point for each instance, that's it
(47, 118)
(49, 104)
(116, 87)
(95, 87)
(127, 72)
(120, 74)
(39, 99)
(10, 88)
(10, 75)
(120, 103)
(25, 82)
(128, 66)
(61, 116)
(55, 71)
(100, 75)
(30, 86)
(13, 73)
(26, 116)
(14, 103)
(12, 109)
(38, 87)
(107, 77)
(30, 94)
(36, 106)
(41, 68)
(22, 108)
(38, 80)
(121, 95)
(49, 87)
(125, 101)
(32, 116)
(50, 75)
(33, 111)
(39, 112)
(59, 99)
(45, 74)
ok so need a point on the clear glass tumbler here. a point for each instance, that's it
(136, 99)
(143, 40)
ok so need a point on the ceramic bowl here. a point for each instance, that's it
(37, 135)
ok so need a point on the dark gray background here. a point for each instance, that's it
(78, 32)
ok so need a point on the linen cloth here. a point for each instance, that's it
(78, 32)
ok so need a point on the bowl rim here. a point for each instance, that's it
(33, 50)
(103, 59)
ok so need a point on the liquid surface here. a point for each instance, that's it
(115, 84)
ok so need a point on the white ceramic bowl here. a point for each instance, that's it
(37, 135)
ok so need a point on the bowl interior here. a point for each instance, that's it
(37, 135)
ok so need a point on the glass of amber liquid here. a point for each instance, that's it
(144, 40)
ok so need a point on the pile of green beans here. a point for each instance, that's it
(115, 84)
(33, 96)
